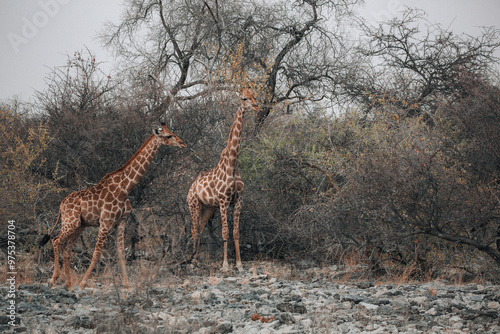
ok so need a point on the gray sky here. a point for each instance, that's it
(37, 35)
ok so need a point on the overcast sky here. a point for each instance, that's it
(37, 35)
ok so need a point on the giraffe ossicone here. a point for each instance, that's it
(221, 186)
(105, 205)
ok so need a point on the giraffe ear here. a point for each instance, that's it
(156, 131)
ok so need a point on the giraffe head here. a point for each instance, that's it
(248, 100)
(167, 137)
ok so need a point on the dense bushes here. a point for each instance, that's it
(390, 188)
(27, 196)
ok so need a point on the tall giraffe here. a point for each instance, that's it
(105, 205)
(221, 186)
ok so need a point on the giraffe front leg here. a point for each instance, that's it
(101, 239)
(225, 233)
(120, 248)
(236, 230)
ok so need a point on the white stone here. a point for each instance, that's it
(368, 306)
(455, 318)
(307, 323)
(419, 300)
(196, 296)
(204, 330)
(164, 316)
(431, 311)
(179, 322)
(494, 305)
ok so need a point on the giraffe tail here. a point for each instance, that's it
(47, 237)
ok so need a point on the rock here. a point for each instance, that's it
(292, 308)
(365, 284)
(252, 302)
(204, 330)
(477, 298)
(306, 323)
(369, 307)
(353, 298)
(493, 305)
(285, 318)
(418, 300)
(384, 310)
(259, 277)
(179, 323)
(224, 327)
(77, 322)
(196, 296)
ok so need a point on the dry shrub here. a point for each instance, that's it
(393, 190)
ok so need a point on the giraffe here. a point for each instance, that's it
(105, 205)
(221, 186)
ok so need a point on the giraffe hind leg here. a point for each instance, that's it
(205, 217)
(236, 230)
(195, 211)
(67, 255)
(120, 249)
(55, 244)
(225, 233)
(60, 242)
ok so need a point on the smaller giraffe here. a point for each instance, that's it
(221, 186)
(105, 205)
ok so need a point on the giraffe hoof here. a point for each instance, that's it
(51, 283)
(239, 266)
(225, 267)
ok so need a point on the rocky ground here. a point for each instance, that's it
(258, 301)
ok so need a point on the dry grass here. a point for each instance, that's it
(153, 268)
(145, 272)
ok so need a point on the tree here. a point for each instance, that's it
(415, 68)
(183, 43)
(82, 113)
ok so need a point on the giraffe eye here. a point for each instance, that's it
(168, 136)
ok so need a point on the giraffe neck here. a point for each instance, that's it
(132, 172)
(229, 157)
